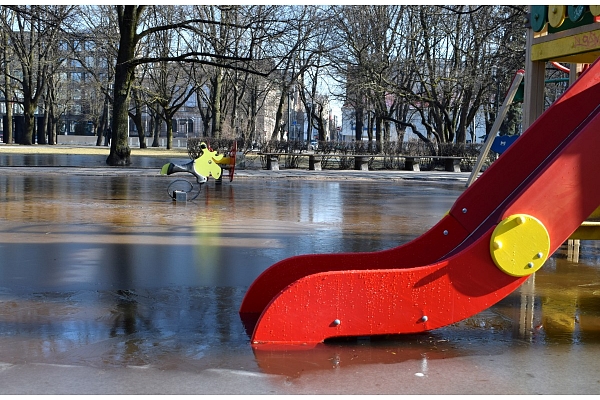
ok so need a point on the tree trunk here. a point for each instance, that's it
(52, 121)
(8, 127)
(137, 120)
(169, 121)
(156, 122)
(359, 123)
(120, 153)
(49, 127)
(278, 118)
(28, 113)
(103, 123)
(41, 129)
(401, 133)
(142, 138)
(321, 134)
(50, 107)
(216, 103)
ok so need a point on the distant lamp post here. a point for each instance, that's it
(309, 127)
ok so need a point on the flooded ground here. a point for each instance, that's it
(109, 286)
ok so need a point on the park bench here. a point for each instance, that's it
(361, 161)
(411, 163)
(314, 160)
(451, 163)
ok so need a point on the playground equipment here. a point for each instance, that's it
(208, 164)
(499, 231)
(489, 140)
(558, 34)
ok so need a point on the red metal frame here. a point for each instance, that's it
(232, 156)
(447, 274)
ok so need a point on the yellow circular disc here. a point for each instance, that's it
(556, 15)
(520, 245)
(595, 10)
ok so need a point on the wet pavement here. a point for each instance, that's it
(107, 286)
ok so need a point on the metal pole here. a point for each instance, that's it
(289, 117)
(496, 127)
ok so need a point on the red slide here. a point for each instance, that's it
(499, 231)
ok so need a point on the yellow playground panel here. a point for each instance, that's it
(565, 34)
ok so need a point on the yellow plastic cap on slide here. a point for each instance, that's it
(520, 245)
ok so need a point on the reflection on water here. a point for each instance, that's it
(294, 361)
(108, 271)
(570, 296)
(123, 327)
(103, 233)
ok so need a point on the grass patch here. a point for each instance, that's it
(88, 150)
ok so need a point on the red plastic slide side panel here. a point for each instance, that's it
(410, 300)
(391, 301)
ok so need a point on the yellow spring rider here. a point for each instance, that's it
(208, 164)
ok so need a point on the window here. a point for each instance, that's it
(191, 102)
(90, 62)
(89, 45)
(183, 125)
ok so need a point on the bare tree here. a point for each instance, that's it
(432, 60)
(32, 32)
(133, 31)
(8, 87)
(99, 25)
